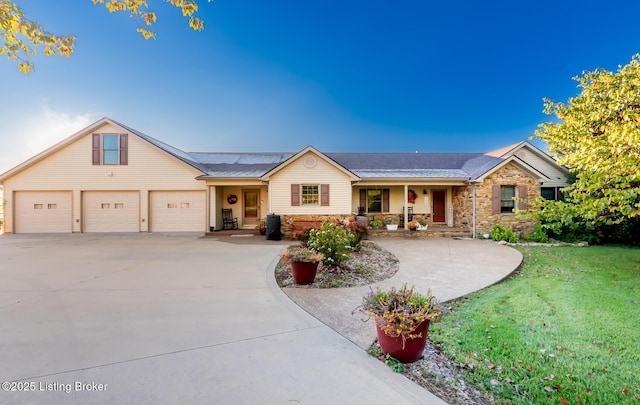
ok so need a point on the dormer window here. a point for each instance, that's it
(110, 149)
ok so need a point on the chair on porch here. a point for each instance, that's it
(228, 221)
(409, 216)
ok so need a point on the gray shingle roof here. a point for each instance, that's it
(363, 165)
(402, 161)
(411, 173)
(239, 165)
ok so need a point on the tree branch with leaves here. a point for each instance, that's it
(20, 38)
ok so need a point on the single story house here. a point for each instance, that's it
(111, 178)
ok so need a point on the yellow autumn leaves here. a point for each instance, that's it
(20, 37)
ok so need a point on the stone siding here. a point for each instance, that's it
(462, 200)
(509, 175)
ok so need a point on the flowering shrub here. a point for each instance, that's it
(399, 311)
(356, 231)
(300, 254)
(333, 241)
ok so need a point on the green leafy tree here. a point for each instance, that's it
(597, 135)
(20, 37)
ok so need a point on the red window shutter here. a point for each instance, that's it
(385, 200)
(95, 149)
(495, 199)
(363, 198)
(324, 195)
(522, 193)
(124, 149)
(295, 195)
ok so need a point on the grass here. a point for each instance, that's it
(564, 330)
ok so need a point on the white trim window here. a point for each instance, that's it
(310, 194)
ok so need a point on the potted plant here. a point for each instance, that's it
(304, 263)
(391, 226)
(376, 224)
(412, 225)
(402, 319)
(262, 226)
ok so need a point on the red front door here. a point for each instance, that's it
(439, 207)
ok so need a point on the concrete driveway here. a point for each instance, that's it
(166, 319)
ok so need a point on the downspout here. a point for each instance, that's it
(473, 211)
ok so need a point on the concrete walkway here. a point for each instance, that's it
(169, 319)
(451, 268)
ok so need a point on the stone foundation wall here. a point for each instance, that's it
(509, 175)
(287, 220)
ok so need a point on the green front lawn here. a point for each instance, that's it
(564, 330)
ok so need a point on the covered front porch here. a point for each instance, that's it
(441, 205)
(247, 200)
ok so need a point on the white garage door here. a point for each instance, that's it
(111, 211)
(177, 211)
(43, 212)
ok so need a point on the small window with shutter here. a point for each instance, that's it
(110, 149)
(503, 201)
(375, 200)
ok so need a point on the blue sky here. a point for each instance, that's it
(342, 76)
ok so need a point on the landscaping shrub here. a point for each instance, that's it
(333, 241)
(501, 232)
(538, 235)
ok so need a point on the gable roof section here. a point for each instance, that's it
(321, 155)
(535, 173)
(175, 152)
(512, 150)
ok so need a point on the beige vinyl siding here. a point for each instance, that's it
(322, 173)
(558, 178)
(71, 168)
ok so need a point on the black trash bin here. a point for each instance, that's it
(273, 227)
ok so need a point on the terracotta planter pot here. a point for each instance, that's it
(413, 348)
(304, 272)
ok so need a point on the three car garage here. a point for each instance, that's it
(110, 211)
(107, 178)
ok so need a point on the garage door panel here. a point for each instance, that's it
(111, 211)
(177, 211)
(43, 212)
